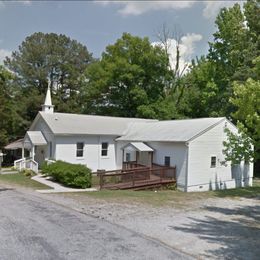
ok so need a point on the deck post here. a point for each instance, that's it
(133, 178)
(101, 180)
(161, 174)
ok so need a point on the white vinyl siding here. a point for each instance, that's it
(65, 150)
(204, 172)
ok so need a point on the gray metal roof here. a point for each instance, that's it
(35, 137)
(76, 124)
(18, 144)
(139, 146)
(173, 131)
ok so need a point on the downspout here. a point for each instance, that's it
(99, 150)
(187, 168)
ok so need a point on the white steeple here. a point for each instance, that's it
(48, 107)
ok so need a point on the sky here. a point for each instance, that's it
(97, 24)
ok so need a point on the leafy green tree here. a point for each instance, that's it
(232, 57)
(42, 57)
(235, 45)
(11, 121)
(129, 80)
(204, 96)
(238, 147)
(246, 99)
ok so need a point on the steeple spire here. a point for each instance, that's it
(48, 107)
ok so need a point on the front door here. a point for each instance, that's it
(40, 152)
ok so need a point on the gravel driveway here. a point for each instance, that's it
(215, 228)
(34, 228)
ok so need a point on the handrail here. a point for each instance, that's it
(24, 163)
(33, 165)
(19, 164)
(136, 174)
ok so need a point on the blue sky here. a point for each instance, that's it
(99, 23)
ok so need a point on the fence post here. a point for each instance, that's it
(101, 180)
(161, 174)
(133, 178)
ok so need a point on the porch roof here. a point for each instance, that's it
(35, 137)
(139, 146)
(18, 144)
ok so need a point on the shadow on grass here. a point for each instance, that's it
(247, 192)
(236, 231)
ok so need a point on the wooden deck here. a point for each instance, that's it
(137, 178)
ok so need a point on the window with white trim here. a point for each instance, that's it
(80, 149)
(104, 149)
(213, 162)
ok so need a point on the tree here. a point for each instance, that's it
(129, 80)
(42, 57)
(11, 121)
(238, 147)
(232, 57)
(204, 96)
(246, 100)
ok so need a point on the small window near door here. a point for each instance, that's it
(167, 160)
(213, 162)
(128, 157)
(104, 149)
(80, 149)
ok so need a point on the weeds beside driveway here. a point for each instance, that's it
(19, 180)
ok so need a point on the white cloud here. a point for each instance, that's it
(186, 47)
(2, 5)
(141, 7)
(126, 8)
(212, 8)
(137, 8)
(27, 2)
(3, 54)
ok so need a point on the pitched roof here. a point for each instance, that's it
(75, 124)
(35, 137)
(139, 146)
(173, 131)
(14, 145)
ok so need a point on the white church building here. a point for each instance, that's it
(194, 146)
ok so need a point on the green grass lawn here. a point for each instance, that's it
(19, 179)
(248, 192)
(170, 197)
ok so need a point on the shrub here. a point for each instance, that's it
(28, 172)
(72, 175)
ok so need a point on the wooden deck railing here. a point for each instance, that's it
(136, 176)
(132, 164)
